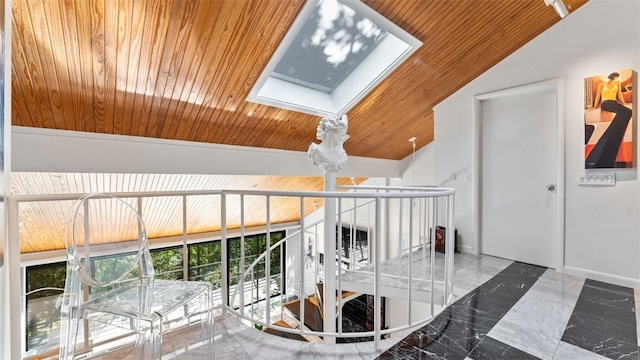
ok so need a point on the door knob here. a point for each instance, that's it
(551, 187)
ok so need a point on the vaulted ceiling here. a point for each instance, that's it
(181, 69)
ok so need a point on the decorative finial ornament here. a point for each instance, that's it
(329, 155)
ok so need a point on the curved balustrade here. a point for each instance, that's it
(401, 266)
(384, 256)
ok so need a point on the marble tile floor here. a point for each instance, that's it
(530, 312)
(505, 310)
(470, 272)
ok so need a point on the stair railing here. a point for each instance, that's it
(412, 273)
(411, 276)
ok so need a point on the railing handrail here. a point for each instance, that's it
(422, 188)
(413, 192)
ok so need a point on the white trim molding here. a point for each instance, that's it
(600, 276)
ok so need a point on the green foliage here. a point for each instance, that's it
(205, 259)
(49, 275)
(167, 263)
(204, 264)
(109, 268)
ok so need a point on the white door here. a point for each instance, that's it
(518, 177)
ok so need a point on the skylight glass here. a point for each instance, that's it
(333, 41)
(334, 54)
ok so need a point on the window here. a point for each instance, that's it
(334, 54)
(253, 246)
(167, 263)
(204, 263)
(43, 317)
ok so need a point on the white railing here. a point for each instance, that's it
(397, 261)
(410, 271)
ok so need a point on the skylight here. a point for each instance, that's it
(335, 52)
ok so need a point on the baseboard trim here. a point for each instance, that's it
(467, 249)
(600, 276)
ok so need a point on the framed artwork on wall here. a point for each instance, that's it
(608, 125)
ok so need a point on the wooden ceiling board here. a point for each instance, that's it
(181, 69)
(42, 223)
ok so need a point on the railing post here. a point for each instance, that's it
(242, 255)
(353, 232)
(410, 264)
(301, 265)
(267, 264)
(329, 296)
(377, 307)
(450, 240)
(339, 266)
(225, 256)
(185, 248)
(13, 269)
(400, 228)
(432, 241)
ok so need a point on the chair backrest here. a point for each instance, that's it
(100, 230)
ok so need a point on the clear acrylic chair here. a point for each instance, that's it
(110, 281)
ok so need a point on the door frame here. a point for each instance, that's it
(556, 86)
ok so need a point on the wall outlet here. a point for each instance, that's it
(597, 179)
(452, 176)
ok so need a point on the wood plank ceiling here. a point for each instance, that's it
(42, 223)
(179, 69)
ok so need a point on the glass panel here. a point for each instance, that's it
(43, 308)
(104, 267)
(204, 262)
(332, 42)
(167, 263)
(255, 245)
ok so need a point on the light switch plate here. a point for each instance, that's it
(597, 179)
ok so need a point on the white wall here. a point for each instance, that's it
(46, 150)
(423, 172)
(602, 236)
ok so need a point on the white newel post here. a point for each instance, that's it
(330, 156)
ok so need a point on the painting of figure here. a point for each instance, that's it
(608, 115)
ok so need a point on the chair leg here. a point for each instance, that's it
(209, 331)
(68, 334)
(208, 323)
(156, 339)
(148, 344)
(70, 316)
